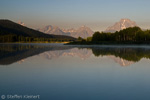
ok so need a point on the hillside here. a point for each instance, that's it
(12, 32)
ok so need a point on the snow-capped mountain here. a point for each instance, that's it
(83, 31)
(122, 24)
(21, 23)
(69, 30)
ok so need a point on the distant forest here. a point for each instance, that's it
(132, 35)
(22, 39)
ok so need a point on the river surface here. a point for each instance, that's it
(62, 72)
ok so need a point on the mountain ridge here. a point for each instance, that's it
(82, 31)
(122, 24)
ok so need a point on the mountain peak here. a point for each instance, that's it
(83, 26)
(126, 19)
(122, 24)
(21, 23)
(84, 32)
(49, 29)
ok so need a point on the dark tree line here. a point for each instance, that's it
(129, 35)
(15, 38)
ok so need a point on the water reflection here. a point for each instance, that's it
(125, 56)
(83, 53)
(129, 54)
(10, 53)
(60, 72)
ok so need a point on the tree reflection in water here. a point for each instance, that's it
(11, 53)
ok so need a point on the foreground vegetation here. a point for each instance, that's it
(132, 35)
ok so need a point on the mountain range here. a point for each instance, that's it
(83, 31)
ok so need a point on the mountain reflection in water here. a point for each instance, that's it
(125, 56)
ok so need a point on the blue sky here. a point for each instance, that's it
(97, 14)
